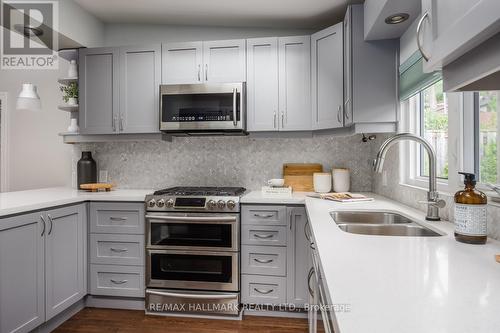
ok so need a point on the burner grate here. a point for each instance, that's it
(201, 191)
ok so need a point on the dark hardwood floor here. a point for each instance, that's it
(94, 320)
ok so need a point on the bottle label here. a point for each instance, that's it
(471, 220)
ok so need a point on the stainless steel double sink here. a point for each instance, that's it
(380, 223)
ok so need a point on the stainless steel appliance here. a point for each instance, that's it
(193, 250)
(199, 109)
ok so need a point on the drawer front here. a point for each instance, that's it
(111, 280)
(269, 215)
(117, 218)
(256, 289)
(263, 235)
(263, 260)
(117, 249)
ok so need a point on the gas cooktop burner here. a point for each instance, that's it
(201, 191)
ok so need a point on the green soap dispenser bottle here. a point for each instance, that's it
(470, 213)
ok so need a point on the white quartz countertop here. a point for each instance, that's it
(406, 284)
(24, 201)
(256, 197)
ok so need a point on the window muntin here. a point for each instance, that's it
(487, 138)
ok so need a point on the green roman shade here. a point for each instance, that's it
(412, 78)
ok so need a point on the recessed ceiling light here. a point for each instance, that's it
(397, 18)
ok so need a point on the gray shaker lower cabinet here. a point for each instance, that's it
(42, 266)
(274, 272)
(65, 258)
(299, 257)
(22, 290)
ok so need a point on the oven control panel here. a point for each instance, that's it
(192, 203)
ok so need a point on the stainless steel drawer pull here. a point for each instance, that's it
(264, 216)
(263, 261)
(263, 236)
(312, 246)
(44, 223)
(309, 276)
(265, 292)
(118, 250)
(118, 281)
(193, 296)
(112, 218)
(51, 224)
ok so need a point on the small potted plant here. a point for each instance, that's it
(70, 93)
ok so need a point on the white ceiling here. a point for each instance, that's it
(241, 13)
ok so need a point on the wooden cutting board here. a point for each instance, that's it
(300, 175)
(97, 187)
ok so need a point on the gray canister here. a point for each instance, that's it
(86, 169)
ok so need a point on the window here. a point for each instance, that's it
(434, 127)
(434, 115)
(486, 138)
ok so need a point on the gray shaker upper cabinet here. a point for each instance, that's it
(370, 77)
(22, 290)
(99, 92)
(450, 28)
(140, 71)
(294, 68)
(182, 63)
(327, 78)
(221, 61)
(262, 84)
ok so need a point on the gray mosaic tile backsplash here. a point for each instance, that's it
(226, 161)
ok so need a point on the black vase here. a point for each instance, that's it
(86, 169)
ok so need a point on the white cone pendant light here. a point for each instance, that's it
(28, 98)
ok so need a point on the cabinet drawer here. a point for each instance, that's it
(111, 280)
(117, 218)
(264, 260)
(256, 289)
(270, 215)
(117, 249)
(263, 235)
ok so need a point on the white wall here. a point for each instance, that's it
(408, 42)
(37, 157)
(130, 34)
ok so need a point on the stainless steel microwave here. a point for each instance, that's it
(203, 108)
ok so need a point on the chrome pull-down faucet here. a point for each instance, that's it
(433, 202)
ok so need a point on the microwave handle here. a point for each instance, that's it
(235, 95)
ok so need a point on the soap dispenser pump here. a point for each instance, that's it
(470, 213)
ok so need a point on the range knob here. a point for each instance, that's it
(151, 203)
(211, 204)
(170, 203)
(221, 204)
(160, 203)
(231, 204)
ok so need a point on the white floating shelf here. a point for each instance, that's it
(67, 80)
(69, 108)
(69, 137)
(69, 54)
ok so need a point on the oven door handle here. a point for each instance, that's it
(194, 219)
(194, 296)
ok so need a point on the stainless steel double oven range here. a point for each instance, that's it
(193, 250)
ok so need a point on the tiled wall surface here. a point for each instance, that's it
(410, 196)
(226, 161)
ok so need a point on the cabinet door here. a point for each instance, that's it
(182, 63)
(327, 78)
(65, 257)
(262, 84)
(456, 26)
(347, 47)
(99, 92)
(294, 83)
(224, 61)
(21, 273)
(298, 257)
(140, 69)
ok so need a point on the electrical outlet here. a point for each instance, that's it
(103, 176)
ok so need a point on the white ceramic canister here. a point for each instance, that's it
(72, 70)
(322, 182)
(341, 179)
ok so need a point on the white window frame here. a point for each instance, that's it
(409, 154)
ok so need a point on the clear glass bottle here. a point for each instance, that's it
(470, 213)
